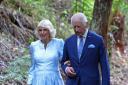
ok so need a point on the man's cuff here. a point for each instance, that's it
(66, 69)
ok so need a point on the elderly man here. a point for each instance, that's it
(87, 55)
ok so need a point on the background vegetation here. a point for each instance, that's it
(15, 59)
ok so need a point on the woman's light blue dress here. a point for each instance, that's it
(44, 68)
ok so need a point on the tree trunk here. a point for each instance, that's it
(100, 20)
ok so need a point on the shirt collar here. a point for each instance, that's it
(85, 34)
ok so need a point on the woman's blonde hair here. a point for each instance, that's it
(46, 24)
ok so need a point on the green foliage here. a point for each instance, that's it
(40, 9)
(31, 39)
(85, 6)
(17, 69)
(122, 6)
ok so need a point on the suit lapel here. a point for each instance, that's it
(85, 48)
(75, 48)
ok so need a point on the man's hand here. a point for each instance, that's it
(70, 71)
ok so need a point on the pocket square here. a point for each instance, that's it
(91, 46)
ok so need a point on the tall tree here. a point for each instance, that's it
(100, 20)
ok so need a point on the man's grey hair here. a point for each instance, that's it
(79, 17)
(46, 24)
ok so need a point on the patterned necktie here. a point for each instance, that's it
(80, 47)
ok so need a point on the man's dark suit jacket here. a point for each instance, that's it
(93, 56)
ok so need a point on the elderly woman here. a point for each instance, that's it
(45, 55)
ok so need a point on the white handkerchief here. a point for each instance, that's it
(91, 46)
